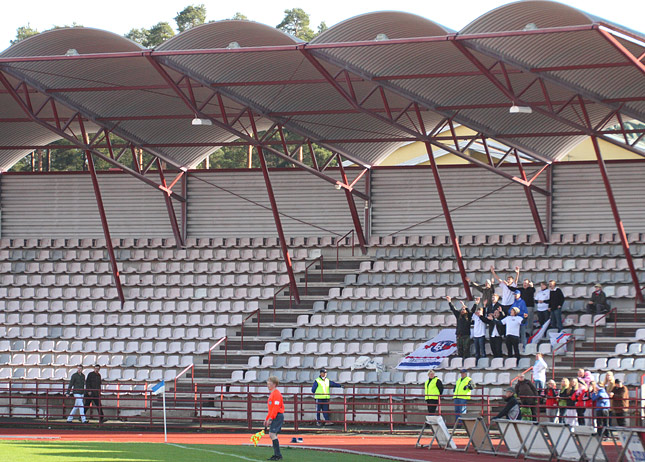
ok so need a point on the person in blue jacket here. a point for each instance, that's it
(524, 314)
(601, 402)
(322, 393)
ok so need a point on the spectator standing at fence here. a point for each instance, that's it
(539, 372)
(523, 313)
(511, 410)
(619, 402)
(584, 376)
(551, 401)
(542, 303)
(322, 394)
(463, 328)
(495, 331)
(527, 292)
(601, 405)
(486, 289)
(479, 330)
(527, 393)
(76, 388)
(580, 398)
(556, 302)
(512, 324)
(567, 404)
(433, 389)
(598, 303)
(507, 287)
(93, 393)
(461, 392)
(275, 416)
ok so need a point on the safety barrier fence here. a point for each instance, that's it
(384, 408)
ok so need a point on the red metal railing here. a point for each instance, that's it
(244, 321)
(595, 324)
(521, 373)
(275, 296)
(218, 343)
(188, 368)
(572, 338)
(307, 273)
(339, 241)
(396, 407)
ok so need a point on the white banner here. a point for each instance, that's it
(558, 339)
(535, 338)
(431, 353)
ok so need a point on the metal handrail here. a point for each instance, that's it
(218, 343)
(244, 321)
(192, 366)
(338, 244)
(570, 339)
(595, 324)
(307, 272)
(521, 373)
(275, 295)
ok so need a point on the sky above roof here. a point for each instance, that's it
(119, 16)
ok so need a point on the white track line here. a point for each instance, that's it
(29, 437)
(216, 452)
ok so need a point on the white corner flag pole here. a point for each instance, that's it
(165, 432)
(161, 388)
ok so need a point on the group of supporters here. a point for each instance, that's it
(579, 401)
(510, 318)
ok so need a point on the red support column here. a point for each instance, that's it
(276, 214)
(619, 223)
(104, 222)
(532, 205)
(444, 206)
(171, 210)
(352, 208)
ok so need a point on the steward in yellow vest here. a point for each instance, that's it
(433, 390)
(461, 392)
(322, 394)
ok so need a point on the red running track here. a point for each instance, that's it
(395, 447)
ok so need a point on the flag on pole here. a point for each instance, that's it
(255, 439)
(158, 388)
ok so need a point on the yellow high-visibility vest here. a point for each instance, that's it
(460, 388)
(432, 390)
(322, 392)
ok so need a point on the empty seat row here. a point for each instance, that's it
(114, 333)
(50, 373)
(375, 320)
(89, 360)
(198, 346)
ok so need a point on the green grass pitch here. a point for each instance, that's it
(69, 451)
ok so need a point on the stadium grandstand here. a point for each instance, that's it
(453, 152)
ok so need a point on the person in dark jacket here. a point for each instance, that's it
(527, 292)
(322, 394)
(486, 289)
(556, 301)
(93, 392)
(511, 410)
(598, 303)
(76, 388)
(619, 402)
(527, 393)
(496, 331)
(464, 319)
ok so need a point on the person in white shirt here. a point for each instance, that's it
(512, 324)
(479, 330)
(507, 287)
(542, 300)
(539, 372)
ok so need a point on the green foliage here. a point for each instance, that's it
(24, 32)
(191, 16)
(296, 23)
(138, 35)
(239, 17)
(158, 34)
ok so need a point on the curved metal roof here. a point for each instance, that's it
(355, 88)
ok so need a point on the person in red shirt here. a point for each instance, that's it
(275, 417)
